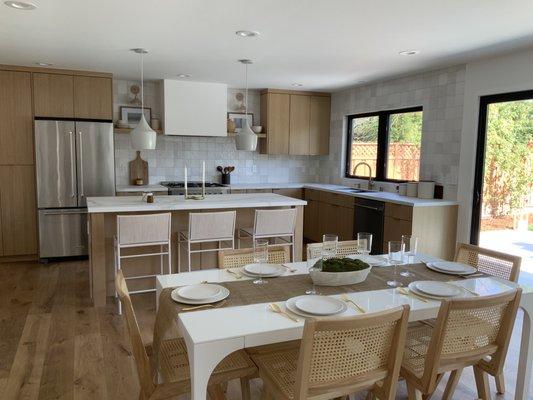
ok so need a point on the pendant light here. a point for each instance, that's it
(246, 139)
(143, 137)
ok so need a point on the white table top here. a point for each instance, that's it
(117, 204)
(255, 324)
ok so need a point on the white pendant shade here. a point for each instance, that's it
(246, 139)
(143, 137)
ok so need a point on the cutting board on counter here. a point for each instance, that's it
(138, 170)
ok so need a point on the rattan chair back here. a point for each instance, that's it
(491, 262)
(240, 257)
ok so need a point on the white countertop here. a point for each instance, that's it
(345, 190)
(177, 203)
(140, 189)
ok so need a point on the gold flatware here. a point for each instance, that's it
(238, 276)
(346, 299)
(289, 268)
(277, 309)
(407, 292)
(474, 275)
(462, 287)
(204, 306)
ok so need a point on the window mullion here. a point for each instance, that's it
(382, 146)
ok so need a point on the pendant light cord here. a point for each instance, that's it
(142, 82)
(246, 92)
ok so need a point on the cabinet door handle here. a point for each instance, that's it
(368, 207)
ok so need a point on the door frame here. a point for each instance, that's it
(477, 198)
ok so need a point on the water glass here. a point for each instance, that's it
(260, 257)
(396, 250)
(410, 247)
(364, 243)
(313, 264)
(329, 245)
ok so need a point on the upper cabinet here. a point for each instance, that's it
(295, 122)
(194, 108)
(73, 96)
(93, 97)
(16, 119)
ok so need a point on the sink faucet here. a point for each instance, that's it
(370, 182)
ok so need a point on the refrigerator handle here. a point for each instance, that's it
(80, 160)
(72, 165)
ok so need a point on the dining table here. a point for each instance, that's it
(246, 319)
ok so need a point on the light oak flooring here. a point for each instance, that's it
(54, 345)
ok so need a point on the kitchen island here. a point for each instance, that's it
(102, 229)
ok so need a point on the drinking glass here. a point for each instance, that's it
(395, 258)
(260, 257)
(364, 243)
(313, 264)
(329, 246)
(410, 244)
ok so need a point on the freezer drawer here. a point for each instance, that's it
(63, 232)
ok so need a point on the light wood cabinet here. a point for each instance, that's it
(294, 193)
(299, 124)
(18, 210)
(320, 117)
(295, 122)
(53, 95)
(275, 108)
(93, 97)
(16, 118)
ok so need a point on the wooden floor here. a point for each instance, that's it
(54, 345)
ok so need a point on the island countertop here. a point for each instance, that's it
(117, 204)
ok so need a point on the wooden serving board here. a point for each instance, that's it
(138, 169)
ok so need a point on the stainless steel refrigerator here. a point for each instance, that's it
(74, 160)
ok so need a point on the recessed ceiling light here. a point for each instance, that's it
(247, 33)
(184, 75)
(297, 84)
(408, 52)
(359, 82)
(44, 64)
(20, 5)
(245, 61)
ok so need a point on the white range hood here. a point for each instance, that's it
(194, 108)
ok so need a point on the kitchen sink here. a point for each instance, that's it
(354, 190)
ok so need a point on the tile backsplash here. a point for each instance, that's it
(172, 153)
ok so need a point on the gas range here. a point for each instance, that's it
(194, 187)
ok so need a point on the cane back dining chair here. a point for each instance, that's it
(240, 257)
(495, 263)
(173, 362)
(467, 332)
(339, 356)
(344, 248)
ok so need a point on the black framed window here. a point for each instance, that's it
(388, 141)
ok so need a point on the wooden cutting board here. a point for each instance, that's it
(138, 170)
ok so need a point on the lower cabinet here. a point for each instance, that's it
(18, 219)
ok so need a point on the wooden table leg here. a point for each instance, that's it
(299, 234)
(97, 259)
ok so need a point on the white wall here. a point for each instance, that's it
(509, 73)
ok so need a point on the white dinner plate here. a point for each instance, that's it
(320, 305)
(435, 290)
(221, 296)
(291, 306)
(373, 261)
(264, 270)
(451, 268)
(202, 291)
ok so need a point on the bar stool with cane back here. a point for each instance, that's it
(142, 231)
(168, 374)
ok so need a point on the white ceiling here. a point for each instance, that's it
(324, 45)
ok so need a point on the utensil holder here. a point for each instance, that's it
(226, 179)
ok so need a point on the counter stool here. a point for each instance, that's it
(142, 231)
(211, 227)
(271, 224)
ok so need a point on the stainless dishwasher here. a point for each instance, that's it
(369, 217)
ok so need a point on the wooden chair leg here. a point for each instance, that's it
(453, 380)
(216, 392)
(500, 383)
(245, 389)
(482, 383)
(370, 396)
(413, 393)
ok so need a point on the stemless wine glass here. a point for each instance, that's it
(364, 243)
(313, 264)
(395, 258)
(329, 245)
(410, 244)
(260, 257)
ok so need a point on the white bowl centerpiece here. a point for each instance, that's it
(339, 272)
